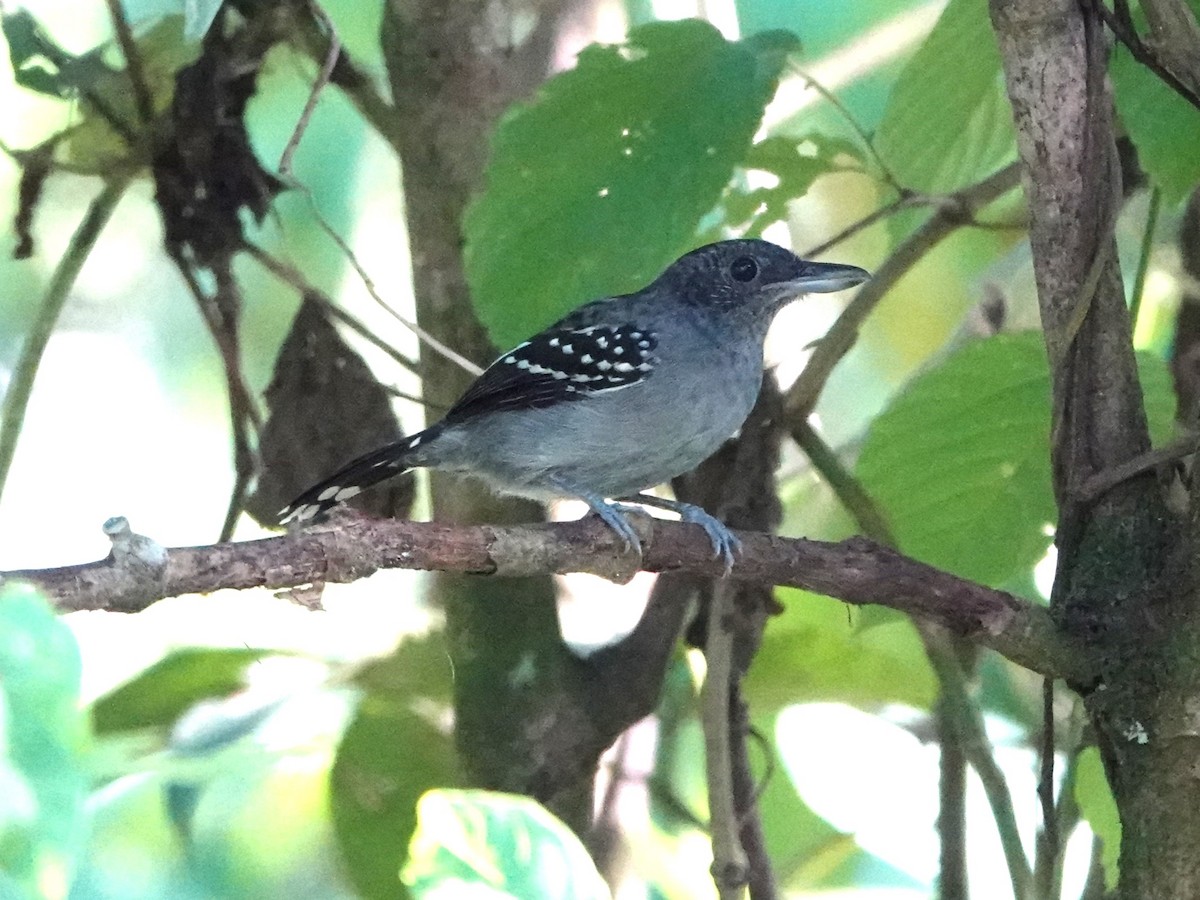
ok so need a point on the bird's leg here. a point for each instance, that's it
(724, 542)
(612, 514)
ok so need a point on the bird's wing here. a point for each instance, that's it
(561, 364)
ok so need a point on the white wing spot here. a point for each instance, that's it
(644, 345)
(416, 440)
(523, 364)
(623, 367)
(645, 367)
(558, 376)
(618, 350)
(604, 365)
(568, 349)
(510, 359)
(553, 342)
(602, 343)
(586, 359)
(347, 492)
(328, 492)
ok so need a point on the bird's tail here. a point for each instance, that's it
(355, 477)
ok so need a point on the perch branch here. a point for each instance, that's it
(857, 571)
(956, 210)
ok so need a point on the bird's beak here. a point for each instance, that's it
(825, 278)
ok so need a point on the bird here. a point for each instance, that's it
(617, 397)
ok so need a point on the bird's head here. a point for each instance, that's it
(752, 277)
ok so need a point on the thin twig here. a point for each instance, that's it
(326, 72)
(143, 102)
(951, 822)
(1143, 267)
(760, 873)
(243, 414)
(1122, 27)
(1050, 842)
(312, 40)
(446, 352)
(979, 752)
(730, 868)
(958, 715)
(848, 489)
(1067, 812)
(837, 104)
(1105, 480)
(953, 212)
(1063, 813)
(83, 241)
(888, 209)
(294, 278)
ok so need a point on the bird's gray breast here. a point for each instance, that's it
(621, 441)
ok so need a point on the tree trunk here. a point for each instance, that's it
(454, 67)
(1124, 587)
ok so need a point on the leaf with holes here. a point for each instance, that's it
(601, 181)
(794, 165)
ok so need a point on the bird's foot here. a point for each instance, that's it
(614, 515)
(724, 542)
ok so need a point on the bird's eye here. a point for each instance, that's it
(744, 269)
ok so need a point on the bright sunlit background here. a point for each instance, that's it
(129, 418)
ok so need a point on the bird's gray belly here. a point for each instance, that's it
(613, 444)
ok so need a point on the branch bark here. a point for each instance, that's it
(856, 570)
(1125, 587)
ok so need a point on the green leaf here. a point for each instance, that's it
(43, 779)
(813, 651)
(796, 164)
(1099, 810)
(960, 461)
(947, 122)
(41, 65)
(389, 756)
(1163, 126)
(796, 837)
(159, 695)
(602, 180)
(94, 144)
(484, 844)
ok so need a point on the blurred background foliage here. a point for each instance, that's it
(244, 746)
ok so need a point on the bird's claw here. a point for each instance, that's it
(613, 515)
(724, 542)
